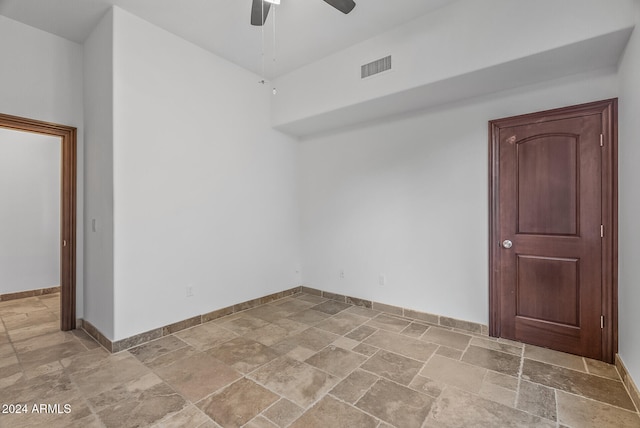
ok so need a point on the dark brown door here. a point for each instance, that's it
(548, 243)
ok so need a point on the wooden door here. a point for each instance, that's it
(552, 208)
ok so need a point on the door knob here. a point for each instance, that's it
(507, 244)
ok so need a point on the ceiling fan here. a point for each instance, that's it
(260, 9)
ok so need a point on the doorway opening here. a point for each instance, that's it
(68, 142)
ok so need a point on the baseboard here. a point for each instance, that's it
(434, 319)
(156, 333)
(147, 336)
(29, 293)
(631, 386)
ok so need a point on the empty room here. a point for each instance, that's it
(319, 213)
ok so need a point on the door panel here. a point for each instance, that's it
(548, 289)
(547, 195)
(547, 184)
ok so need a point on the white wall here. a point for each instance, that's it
(98, 113)
(204, 189)
(41, 78)
(463, 37)
(407, 198)
(629, 206)
(30, 211)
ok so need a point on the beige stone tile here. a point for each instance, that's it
(53, 338)
(388, 322)
(292, 327)
(260, 422)
(292, 304)
(42, 389)
(365, 349)
(330, 412)
(42, 369)
(309, 317)
(454, 373)
(312, 338)
(415, 330)
(363, 312)
(345, 343)
(331, 307)
(445, 351)
(556, 358)
(283, 412)
(9, 370)
(190, 416)
(238, 403)
(341, 323)
(21, 306)
(35, 330)
(446, 338)
(498, 394)
(86, 340)
(270, 313)
(205, 336)
(354, 386)
(300, 353)
(244, 324)
(10, 380)
(172, 357)
(601, 368)
(337, 361)
(30, 319)
(294, 380)
(107, 374)
(243, 354)
(311, 298)
(361, 332)
(457, 408)
(151, 350)
(595, 387)
(38, 357)
(497, 361)
(575, 411)
(393, 366)
(198, 375)
(85, 360)
(427, 386)
(537, 399)
(496, 346)
(407, 346)
(140, 402)
(502, 380)
(269, 334)
(396, 404)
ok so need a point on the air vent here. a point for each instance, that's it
(375, 67)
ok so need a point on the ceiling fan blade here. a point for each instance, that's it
(344, 6)
(259, 12)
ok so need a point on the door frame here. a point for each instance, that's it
(68, 136)
(609, 111)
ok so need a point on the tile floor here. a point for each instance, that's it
(303, 361)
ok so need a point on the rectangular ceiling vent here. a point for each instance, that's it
(375, 67)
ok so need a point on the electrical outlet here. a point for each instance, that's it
(341, 273)
(382, 280)
(189, 291)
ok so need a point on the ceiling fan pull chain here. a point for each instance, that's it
(262, 32)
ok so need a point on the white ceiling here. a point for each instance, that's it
(306, 30)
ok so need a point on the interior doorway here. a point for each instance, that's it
(68, 137)
(553, 221)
